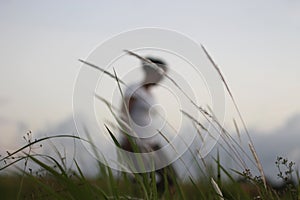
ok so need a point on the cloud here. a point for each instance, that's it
(11, 133)
(283, 141)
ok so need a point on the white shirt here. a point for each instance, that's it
(144, 121)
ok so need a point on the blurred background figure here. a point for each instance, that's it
(139, 113)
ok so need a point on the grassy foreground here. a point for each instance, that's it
(54, 180)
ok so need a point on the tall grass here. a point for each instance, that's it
(54, 180)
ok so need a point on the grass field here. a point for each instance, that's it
(54, 180)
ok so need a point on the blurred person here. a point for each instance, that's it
(139, 114)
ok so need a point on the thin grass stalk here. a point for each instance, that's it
(38, 141)
(180, 158)
(100, 69)
(217, 189)
(207, 116)
(259, 166)
(232, 98)
(237, 131)
(230, 144)
(230, 138)
(124, 103)
(228, 90)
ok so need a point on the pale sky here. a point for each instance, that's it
(255, 43)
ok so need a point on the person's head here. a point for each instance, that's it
(152, 75)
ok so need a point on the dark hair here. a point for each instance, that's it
(156, 60)
(161, 63)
